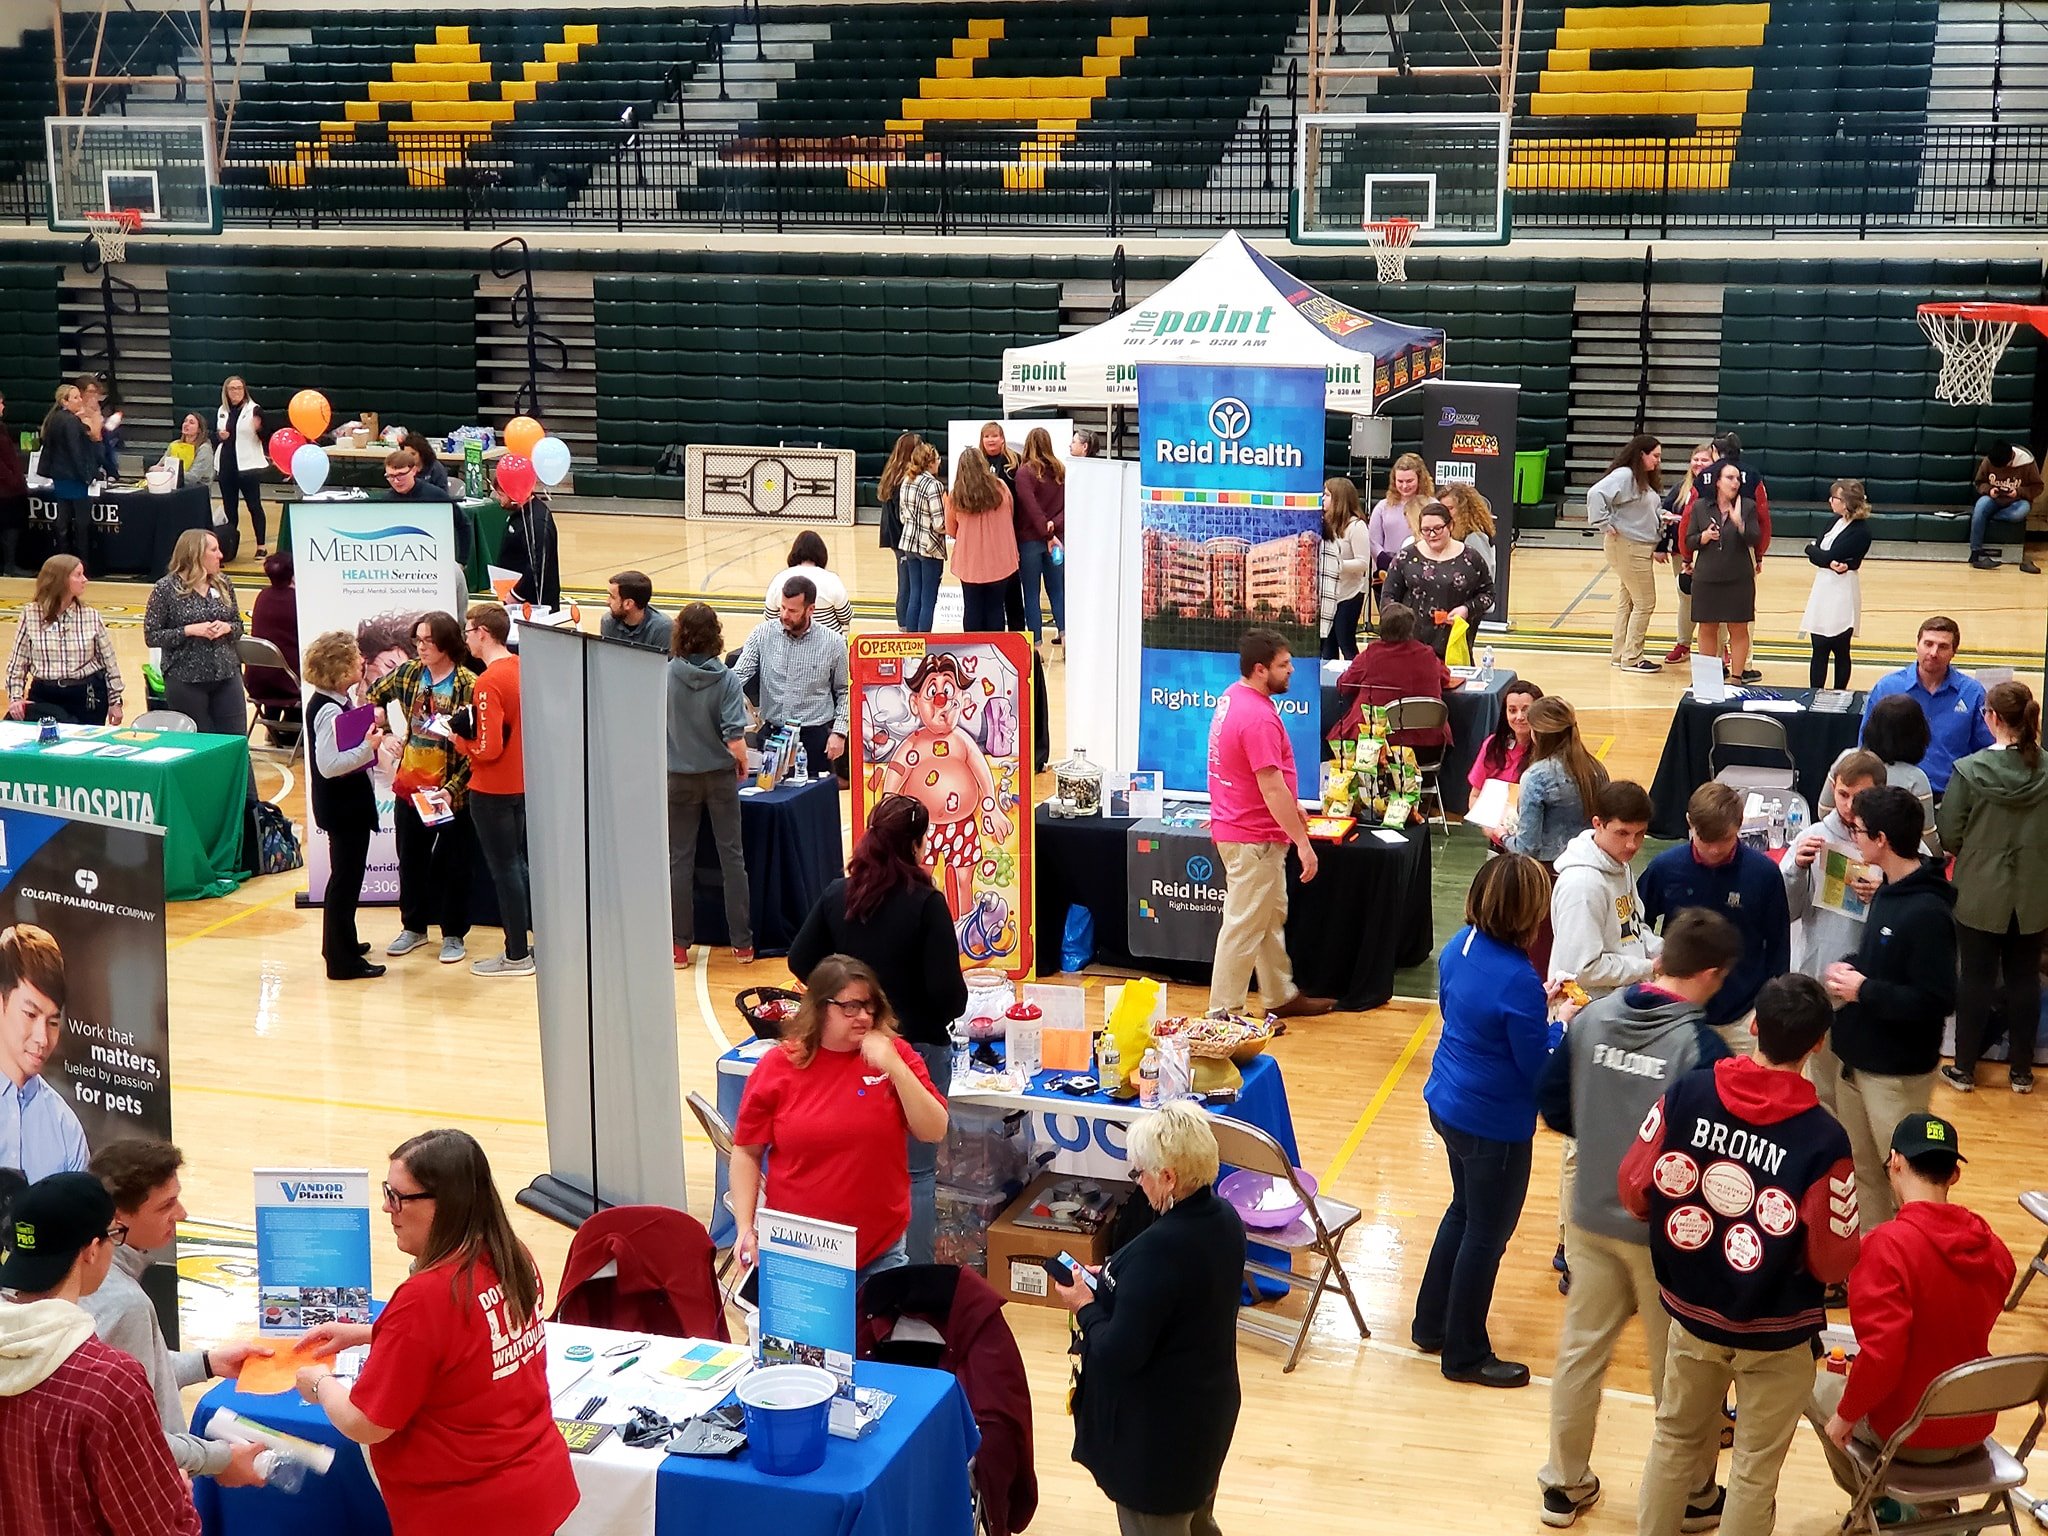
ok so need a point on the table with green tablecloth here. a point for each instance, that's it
(193, 786)
(486, 516)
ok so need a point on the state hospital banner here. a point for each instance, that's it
(1231, 483)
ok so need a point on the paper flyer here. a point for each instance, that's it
(807, 1291)
(312, 1247)
(1837, 892)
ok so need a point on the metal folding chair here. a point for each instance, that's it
(1736, 731)
(264, 653)
(163, 720)
(1988, 1471)
(1317, 1232)
(2035, 1203)
(721, 1144)
(1424, 714)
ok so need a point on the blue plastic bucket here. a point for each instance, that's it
(789, 1415)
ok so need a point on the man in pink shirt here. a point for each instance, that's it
(1253, 815)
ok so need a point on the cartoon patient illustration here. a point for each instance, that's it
(944, 767)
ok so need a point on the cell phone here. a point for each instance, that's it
(1061, 1270)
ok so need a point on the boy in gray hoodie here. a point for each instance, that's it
(1618, 1056)
(707, 757)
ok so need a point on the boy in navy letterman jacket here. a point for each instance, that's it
(1749, 1190)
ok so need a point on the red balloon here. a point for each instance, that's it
(285, 442)
(516, 478)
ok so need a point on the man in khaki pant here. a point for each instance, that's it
(1626, 506)
(1254, 813)
(1750, 1194)
(1619, 1054)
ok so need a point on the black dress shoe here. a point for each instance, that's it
(362, 972)
(363, 948)
(1428, 1348)
(1495, 1372)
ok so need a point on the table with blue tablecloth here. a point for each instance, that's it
(908, 1474)
(1475, 711)
(794, 850)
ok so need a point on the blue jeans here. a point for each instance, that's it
(894, 1257)
(917, 593)
(1988, 511)
(1035, 564)
(1489, 1180)
(924, 1166)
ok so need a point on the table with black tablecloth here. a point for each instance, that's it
(128, 533)
(1474, 711)
(1816, 739)
(791, 839)
(1364, 916)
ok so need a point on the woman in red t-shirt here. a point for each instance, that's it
(830, 1110)
(453, 1400)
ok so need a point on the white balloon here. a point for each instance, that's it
(309, 468)
(550, 458)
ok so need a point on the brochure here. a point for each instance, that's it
(807, 1291)
(312, 1247)
(1837, 889)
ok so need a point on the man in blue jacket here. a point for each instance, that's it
(1951, 699)
(1714, 870)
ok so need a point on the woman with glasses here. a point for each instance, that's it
(829, 1113)
(452, 1402)
(1441, 579)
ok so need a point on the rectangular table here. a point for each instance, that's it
(1475, 712)
(909, 1474)
(794, 850)
(1816, 739)
(128, 533)
(193, 786)
(1366, 915)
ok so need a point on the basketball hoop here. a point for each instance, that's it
(110, 230)
(1971, 339)
(1390, 239)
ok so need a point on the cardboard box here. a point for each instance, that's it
(1013, 1250)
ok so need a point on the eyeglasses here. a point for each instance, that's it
(1855, 828)
(117, 1234)
(394, 1201)
(859, 1007)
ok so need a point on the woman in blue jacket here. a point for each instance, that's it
(1482, 1102)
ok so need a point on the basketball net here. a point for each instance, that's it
(1970, 348)
(1390, 239)
(110, 232)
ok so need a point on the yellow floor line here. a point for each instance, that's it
(232, 918)
(1379, 1099)
(1600, 752)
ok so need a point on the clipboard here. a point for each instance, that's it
(351, 726)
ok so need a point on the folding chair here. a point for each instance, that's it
(163, 720)
(1318, 1231)
(264, 653)
(1420, 714)
(2035, 1203)
(1751, 733)
(721, 1143)
(1988, 1471)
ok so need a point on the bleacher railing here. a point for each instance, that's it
(1941, 177)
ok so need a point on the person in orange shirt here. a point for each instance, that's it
(489, 738)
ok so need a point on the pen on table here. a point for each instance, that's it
(592, 1406)
(624, 1365)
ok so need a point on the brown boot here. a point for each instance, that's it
(1302, 1006)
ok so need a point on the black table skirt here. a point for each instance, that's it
(1474, 714)
(131, 532)
(1366, 914)
(794, 850)
(1816, 740)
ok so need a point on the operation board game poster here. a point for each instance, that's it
(947, 719)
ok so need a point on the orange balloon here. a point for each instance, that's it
(310, 413)
(521, 433)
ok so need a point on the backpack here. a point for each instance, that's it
(277, 844)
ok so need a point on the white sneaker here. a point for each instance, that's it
(406, 942)
(503, 965)
(452, 951)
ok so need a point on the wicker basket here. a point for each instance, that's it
(750, 1002)
(1234, 1038)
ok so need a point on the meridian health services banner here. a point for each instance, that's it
(371, 568)
(1230, 487)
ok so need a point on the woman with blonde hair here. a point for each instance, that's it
(343, 799)
(1395, 515)
(1835, 605)
(889, 489)
(922, 543)
(193, 618)
(238, 428)
(980, 519)
(1471, 522)
(63, 657)
(1041, 524)
(830, 1113)
(1678, 502)
(1347, 544)
(1559, 787)
(70, 459)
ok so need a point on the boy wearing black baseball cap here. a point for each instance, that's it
(1926, 1289)
(80, 1448)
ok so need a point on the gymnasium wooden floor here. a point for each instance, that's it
(272, 1065)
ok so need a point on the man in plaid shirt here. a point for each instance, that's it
(81, 1452)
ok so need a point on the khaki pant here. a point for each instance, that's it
(1612, 1281)
(1254, 931)
(1870, 1107)
(1567, 1181)
(1685, 636)
(1635, 599)
(1737, 1037)
(1772, 1389)
(1827, 1401)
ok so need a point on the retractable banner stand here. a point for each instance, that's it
(1468, 438)
(595, 725)
(1231, 480)
(370, 568)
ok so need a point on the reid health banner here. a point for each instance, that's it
(1231, 480)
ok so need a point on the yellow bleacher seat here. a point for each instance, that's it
(464, 73)
(561, 53)
(1129, 26)
(580, 34)
(985, 27)
(451, 34)
(447, 53)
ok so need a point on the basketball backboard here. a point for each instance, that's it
(1446, 172)
(162, 167)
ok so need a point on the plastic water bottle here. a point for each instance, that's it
(1148, 1080)
(800, 770)
(1056, 552)
(281, 1471)
(956, 1036)
(1109, 1066)
(1795, 823)
(1486, 667)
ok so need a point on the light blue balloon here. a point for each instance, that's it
(551, 461)
(309, 468)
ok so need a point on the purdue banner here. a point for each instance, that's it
(1468, 438)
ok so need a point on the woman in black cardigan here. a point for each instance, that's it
(1158, 1396)
(1835, 605)
(888, 914)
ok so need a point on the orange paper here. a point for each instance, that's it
(262, 1375)
(1066, 1050)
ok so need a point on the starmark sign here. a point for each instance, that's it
(1230, 423)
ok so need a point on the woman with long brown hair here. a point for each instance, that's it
(194, 619)
(1347, 541)
(63, 657)
(830, 1112)
(1626, 505)
(1726, 539)
(238, 428)
(1041, 516)
(707, 758)
(980, 519)
(1560, 785)
(1472, 522)
(887, 914)
(922, 543)
(889, 490)
(452, 1402)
